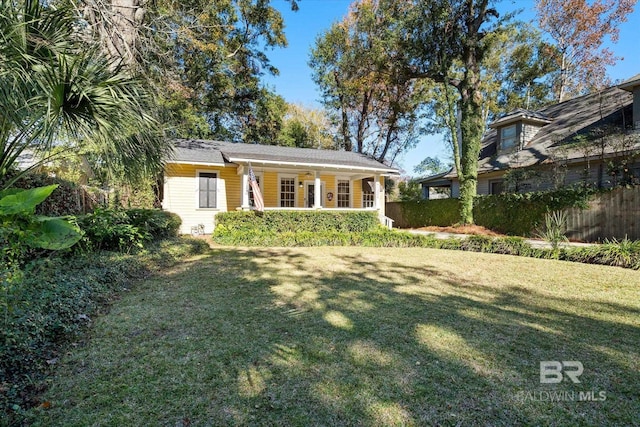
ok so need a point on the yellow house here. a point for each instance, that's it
(206, 177)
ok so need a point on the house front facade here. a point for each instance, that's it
(593, 139)
(203, 178)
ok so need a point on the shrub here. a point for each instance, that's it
(123, 230)
(111, 230)
(522, 213)
(64, 201)
(295, 221)
(555, 227)
(424, 213)
(625, 253)
(158, 223)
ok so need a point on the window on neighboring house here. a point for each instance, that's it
(251, 200)
(496, 187)
(508, 137)
(287, 192)
(344, 193)
(368, 195)
(207, 189)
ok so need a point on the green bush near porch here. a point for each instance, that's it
(295, 221)
(438, 212)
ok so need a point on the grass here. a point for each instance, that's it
(357, 336)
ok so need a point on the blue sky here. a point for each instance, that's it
(315, 16)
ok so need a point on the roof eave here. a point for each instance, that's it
(190, 162)
(516, 119)
(244, 160)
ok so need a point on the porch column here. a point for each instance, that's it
(245, 188)
(317, 192)
(376, 192)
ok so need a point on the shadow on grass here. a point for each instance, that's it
(279, 337)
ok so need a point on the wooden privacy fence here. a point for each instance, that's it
(612, 215)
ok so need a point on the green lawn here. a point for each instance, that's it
(357, 336)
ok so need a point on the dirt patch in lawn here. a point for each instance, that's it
(463, 229)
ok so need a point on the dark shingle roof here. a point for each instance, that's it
(521, 114)
(218, 152)
(197, 151)
(580, 116)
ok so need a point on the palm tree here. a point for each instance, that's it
(57, 89)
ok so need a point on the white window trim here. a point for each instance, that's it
(348, 179)
(295, 188)
(198, 172)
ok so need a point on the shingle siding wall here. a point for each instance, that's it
(529, 131)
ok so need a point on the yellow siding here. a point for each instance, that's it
(330, 186)
(181, 194)
(233, 183)
(271, 188)
(357, 193)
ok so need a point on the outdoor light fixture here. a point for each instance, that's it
(300, 184)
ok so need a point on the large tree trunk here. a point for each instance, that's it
(472, 128)
(116, 23)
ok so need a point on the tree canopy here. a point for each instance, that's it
(202, 58)
(375, 108)
(579, 29)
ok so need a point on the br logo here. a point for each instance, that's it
(551, 371)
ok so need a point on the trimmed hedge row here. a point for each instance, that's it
(514, 214)
(437, 212)
(299, 221)
(380, 237)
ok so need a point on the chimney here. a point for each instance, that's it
(633, 85)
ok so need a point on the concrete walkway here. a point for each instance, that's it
(535, 243)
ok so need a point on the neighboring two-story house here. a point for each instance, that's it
(593, 139)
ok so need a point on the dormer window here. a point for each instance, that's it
(518, 128)
(508, 137)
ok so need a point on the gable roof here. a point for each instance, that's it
(556, 139)
(218, 153)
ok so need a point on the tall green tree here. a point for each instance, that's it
(446, 42)
(376, 110)
(56, 89)
(431, 166)
(517, 69)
